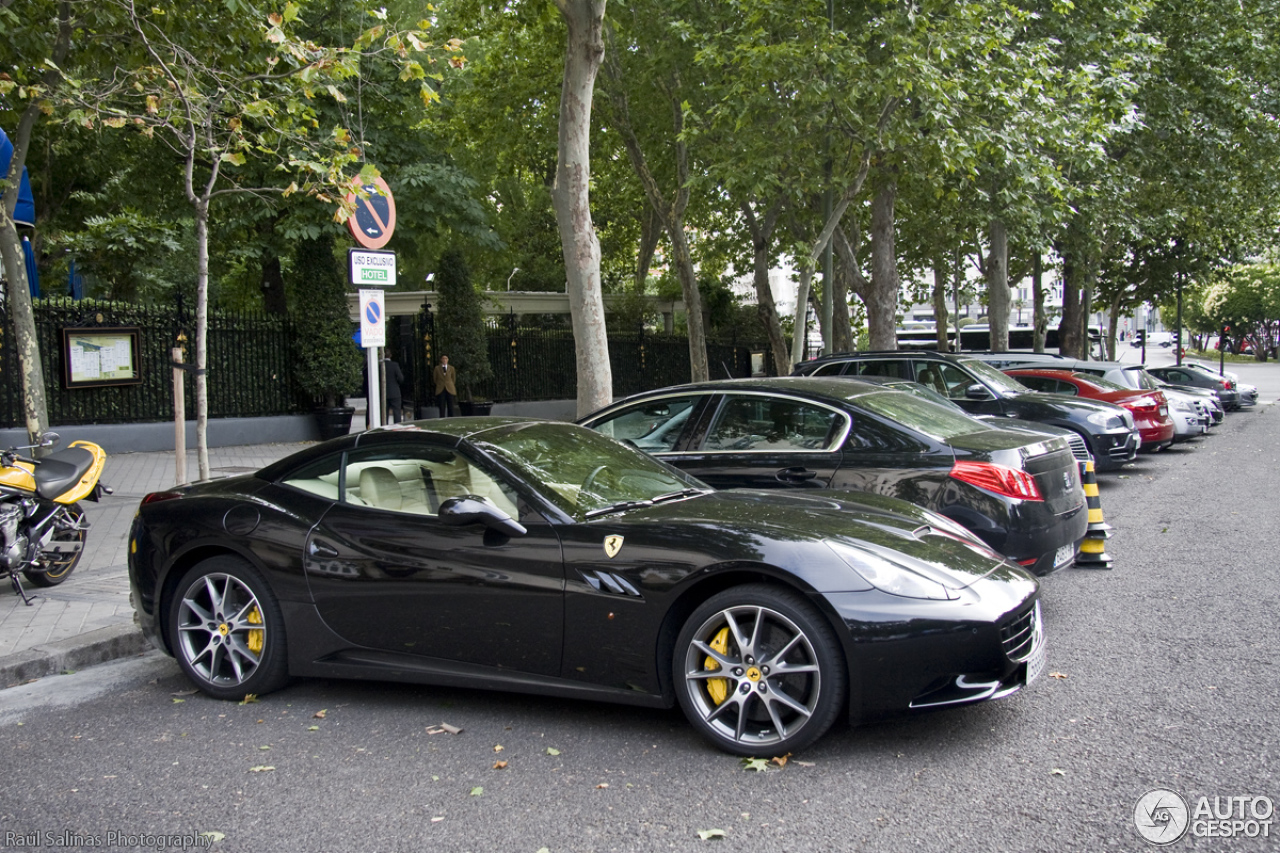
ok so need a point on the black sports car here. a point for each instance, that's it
(1020, 492)
(543, 557)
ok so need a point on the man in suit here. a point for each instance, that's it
(445, 378)
(395, 401)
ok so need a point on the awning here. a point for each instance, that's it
(25, 212)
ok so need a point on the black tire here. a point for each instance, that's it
(58, 566)
(756, 708)
(227, 630)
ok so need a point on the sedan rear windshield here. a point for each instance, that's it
(921, 415)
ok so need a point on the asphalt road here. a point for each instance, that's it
(1162, 674)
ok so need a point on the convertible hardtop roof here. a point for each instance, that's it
(457, 429)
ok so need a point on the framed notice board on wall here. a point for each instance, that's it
(97, 355)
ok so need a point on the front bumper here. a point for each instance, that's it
(1113, 449)
(1188, 424)
(907, 654)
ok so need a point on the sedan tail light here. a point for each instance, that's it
(1000, 479)
(1227, 383)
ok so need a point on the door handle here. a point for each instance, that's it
(320, 549)
(795, 475)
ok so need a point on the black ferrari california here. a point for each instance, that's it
(546, 558)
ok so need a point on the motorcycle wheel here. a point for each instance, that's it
(59, 566)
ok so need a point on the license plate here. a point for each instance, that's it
(1065, 554)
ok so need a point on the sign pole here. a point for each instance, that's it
(373, 415)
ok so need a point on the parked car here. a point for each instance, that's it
(1186, 404)
(1180, 377)
(980, 389)
(1248, 393)
(1020, 493)
(1079, 448)
(1150, 408)
(545, 558)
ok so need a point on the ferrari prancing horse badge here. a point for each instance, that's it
(612, 545)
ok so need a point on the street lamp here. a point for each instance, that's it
(513, 275)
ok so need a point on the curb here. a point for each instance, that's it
(100, 646)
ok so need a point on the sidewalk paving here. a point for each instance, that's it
(88, 619)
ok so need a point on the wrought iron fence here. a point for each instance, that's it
(249, 370)
(251, 360)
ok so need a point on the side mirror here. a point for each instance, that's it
(49, 439)
(472, 509)
(977, 391)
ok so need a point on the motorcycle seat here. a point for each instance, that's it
(59, 471)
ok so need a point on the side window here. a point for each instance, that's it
(1066, 388)
(894, 368)
(319, 478)
(416, 480)
(954, 380)
(870, 435)
(746, 422)
(835, 368)
(654, 426)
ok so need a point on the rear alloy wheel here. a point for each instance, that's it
(227, 630)
(55, 566)
(759, 672)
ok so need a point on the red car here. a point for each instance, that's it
(1150, 408)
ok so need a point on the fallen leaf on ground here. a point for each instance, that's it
(498, 748)
(477, 791)
(757, 764)
(499, 765)
(1057, 675)
(319, 715)
(213, 835)
(781, 760)
(603, 785)
(705, 834)
(551, 750)
(261, 768)
(1057, 772)
(249, 699)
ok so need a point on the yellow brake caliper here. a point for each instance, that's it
(718, 688)
(255, 636)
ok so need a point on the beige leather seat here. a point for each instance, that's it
(380, 488)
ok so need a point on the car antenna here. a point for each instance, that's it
(727, 373)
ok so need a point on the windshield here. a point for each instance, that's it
(995, 379)
(922, 415)
(580, 470)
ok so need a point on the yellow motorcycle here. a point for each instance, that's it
(42, 527)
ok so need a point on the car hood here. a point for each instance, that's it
(791, 530)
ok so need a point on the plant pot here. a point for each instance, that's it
(475, 408)
(334, 421)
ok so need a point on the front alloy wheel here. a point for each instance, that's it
(759, 671)
(228, 630)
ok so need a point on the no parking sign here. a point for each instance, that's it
(373, 329)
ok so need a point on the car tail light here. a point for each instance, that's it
(1142, 403)
(157, 497)
(1000, 479)
(1227, 384)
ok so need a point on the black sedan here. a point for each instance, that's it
(1182, 377)
(1021, 493)
(980, 389)
(545, 558)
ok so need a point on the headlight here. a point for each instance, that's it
(1181, 406)
(1105, 420)
(887, 576)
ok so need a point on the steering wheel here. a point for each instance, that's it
(591, 478)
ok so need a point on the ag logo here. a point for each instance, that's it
(1161, 816)
(612, 545)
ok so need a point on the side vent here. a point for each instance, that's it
(603, 581)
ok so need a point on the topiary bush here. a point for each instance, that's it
(460, 329)
(329, 362)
